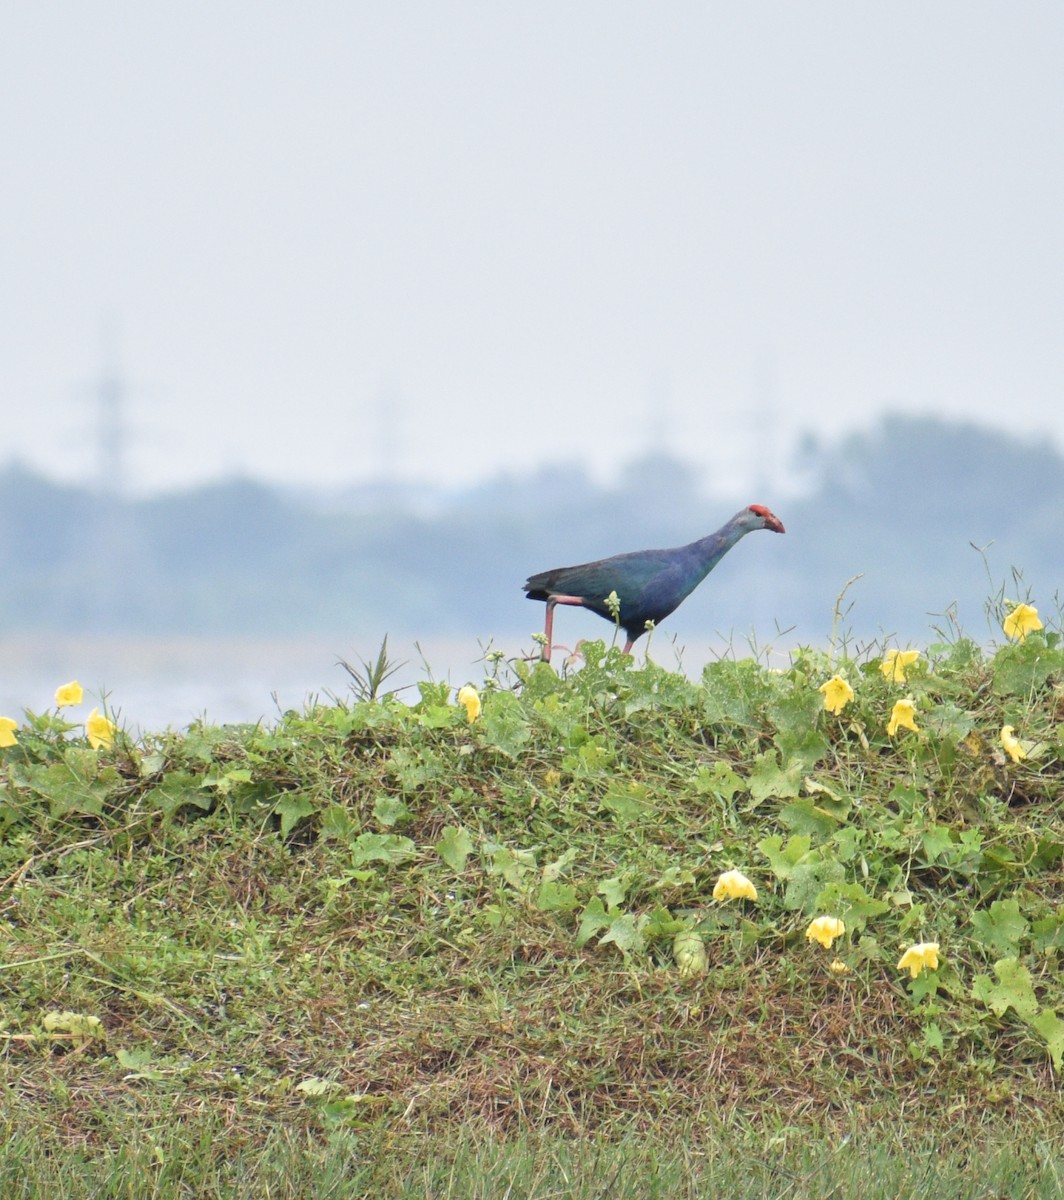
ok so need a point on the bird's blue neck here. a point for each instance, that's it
(708, 551)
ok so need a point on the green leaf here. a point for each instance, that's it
(454, 847)
(937, 842)
(1000, 929)
(414, 768)
(628, 804)
(907, 800)
(292, 809)
(933, 1039)
(624, 933)
(1047, 933)
(847, 844)
(337, 824)
(590, 758)
(613, 890)
(150, 764)
(769, 780)
(556, 897)
(1048, 852)
(718, 780)
(734, 691)
(201, 743)
(434, 694)
(381, 847)
(515, 866)
(852, 903)
(389, 810)
(559, 714)
(1014, 989)
(554, 869)
(1051, 1029)
(593, 918)
(177, 789)
(828, 799)
(349, 1111)
(949, 722)
(75, 785)
(806, 747)
(675, 876)
(807, 881)
(315, 1086)
(1025, 667)
(783, 859)
(662, 924)
(138, 1064)
(795, 712)
(804, 816)
(503, 725)
(439, 716)
(924, 985)
(225, 781)
(969, 848)
(655, 688)
(133, 1060)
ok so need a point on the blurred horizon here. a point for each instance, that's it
(239, 599)
(916, 507)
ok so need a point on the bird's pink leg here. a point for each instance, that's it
(548, 630)
(628, 645)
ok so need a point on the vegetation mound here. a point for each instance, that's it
(609, 903)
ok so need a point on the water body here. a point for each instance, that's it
(158, 683)
(152, 684)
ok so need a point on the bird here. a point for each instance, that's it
(649, 584)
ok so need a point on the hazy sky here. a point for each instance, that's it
(335, 238)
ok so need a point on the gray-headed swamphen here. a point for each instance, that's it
(649, 584)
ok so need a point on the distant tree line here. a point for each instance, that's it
(902, 506)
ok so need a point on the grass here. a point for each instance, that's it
(530, 1165)
(379, 949)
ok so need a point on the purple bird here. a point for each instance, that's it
(649, 584)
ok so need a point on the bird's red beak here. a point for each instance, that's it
(771, 520)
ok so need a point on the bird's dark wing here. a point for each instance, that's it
(626, 574)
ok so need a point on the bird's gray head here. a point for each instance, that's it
(759, 517)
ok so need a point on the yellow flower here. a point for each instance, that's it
(838, 967)
(1021, 621)
(733, 885)
(825, 930)
(99, 730)
(1012, 744)
(7, 732)
(921, 957)
(551, 777)
(902, 716)
(68, 695)
(837, 694)
(468, 697)
(895, 664)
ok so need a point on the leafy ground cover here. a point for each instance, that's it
(431, 947)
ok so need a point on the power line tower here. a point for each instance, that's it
(110, 543)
